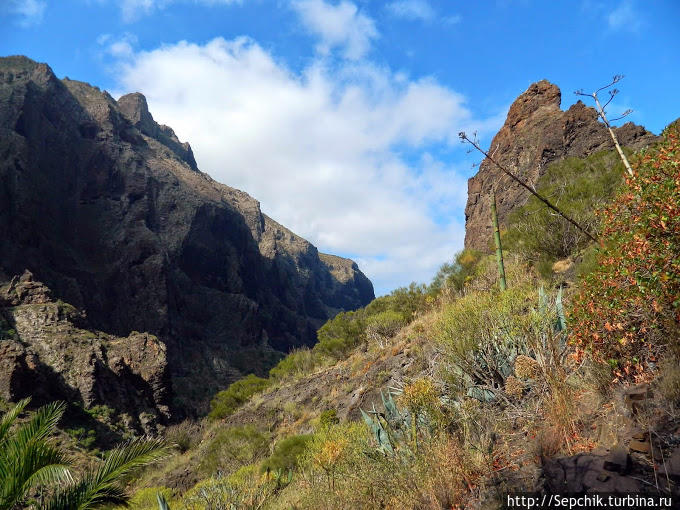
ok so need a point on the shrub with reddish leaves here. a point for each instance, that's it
(628, 310)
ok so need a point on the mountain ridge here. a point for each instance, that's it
(536, 133)
(108, 209)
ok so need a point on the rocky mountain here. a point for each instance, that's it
(536, 133)
(48, 353)
(109, 211)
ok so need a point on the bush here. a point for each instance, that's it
(86, 438)
(340, 335)
(454, 275)
(336, 451)
(408, 301)
(578, 186)
(245, 489)
(328, 417)
(298, 362)
(183, 436)
(237, 394)
(287, 453)
(146, 499)
(383, 325)
(233, 448)
(628, 310)
(482, 334)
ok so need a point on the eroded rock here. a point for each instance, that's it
(536, 133)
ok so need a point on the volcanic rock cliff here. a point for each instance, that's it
(109, 211)
(536, 133)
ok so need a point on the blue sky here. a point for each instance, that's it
(342, 117)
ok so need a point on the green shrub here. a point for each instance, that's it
(287, 453)
(85, 438)
(334, 453)
(408, 301)
(183, 436)
(147, 499)
(238, 393)
(455, 274)
(628, 310)
(578, 186)
(101, 413)
(340, 335)
(383, 325)
(328, 417)
(482, 333)
(233, 448)
(299, 362)
(243, 490)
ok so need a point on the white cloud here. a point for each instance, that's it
(29, 12)
(412, 9)
(338, 26)
(624, 17)
(120, 48)
(339, 155)
(132, 10)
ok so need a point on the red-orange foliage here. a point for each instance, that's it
(628, 310)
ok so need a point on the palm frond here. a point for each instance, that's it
(83, 495)
(9, 417)
(26, 457)
(130, 456)
(49, 466)
(41, 424)
(103, 486)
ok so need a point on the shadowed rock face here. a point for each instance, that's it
(108, 209)
(48, 354)
(536, 133)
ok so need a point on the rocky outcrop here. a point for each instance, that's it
(109, 210)
(536, 133)
(47, 355)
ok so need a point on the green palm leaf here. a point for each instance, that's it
(103, 486)
(26, 456)
(10, 417)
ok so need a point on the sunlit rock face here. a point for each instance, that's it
(536, 133)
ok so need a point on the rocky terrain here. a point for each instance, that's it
(48, 355)
(536, 133)
(109, 211)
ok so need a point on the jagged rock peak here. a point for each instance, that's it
(536, 133)
(539, 95)
(135, 108)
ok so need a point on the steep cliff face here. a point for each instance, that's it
(536, 133)
(109, 210)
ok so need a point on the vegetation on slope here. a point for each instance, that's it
(578, 186)
(442, 395)
(628, 309)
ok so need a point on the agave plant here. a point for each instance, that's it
(27, 458)
(162, 503)
(391, 427)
